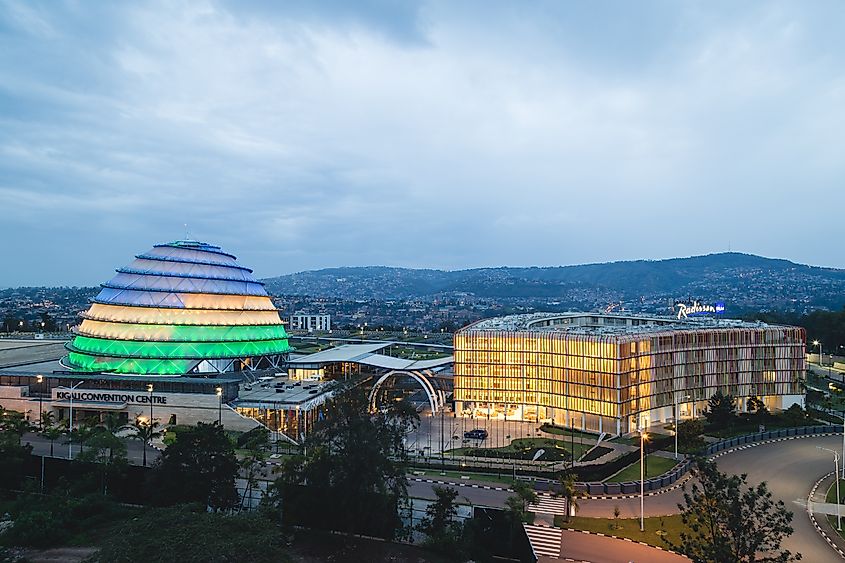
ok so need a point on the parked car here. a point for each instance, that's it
(476, 434)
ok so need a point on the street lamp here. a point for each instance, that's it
(836, 477)
(70, 420)
(40, 379)
(150, 391)
(219, 405)
(675, 415)
(643, 436)
(819, 344)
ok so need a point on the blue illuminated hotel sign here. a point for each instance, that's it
(695, 309)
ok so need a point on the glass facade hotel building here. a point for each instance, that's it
(614, 373)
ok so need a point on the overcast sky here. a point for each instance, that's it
(441, 134)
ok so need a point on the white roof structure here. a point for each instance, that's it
(366, 354)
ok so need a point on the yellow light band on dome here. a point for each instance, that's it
(173, 316)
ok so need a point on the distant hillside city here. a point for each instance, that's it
(434, 300)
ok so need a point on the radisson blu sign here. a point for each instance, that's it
(695, 309)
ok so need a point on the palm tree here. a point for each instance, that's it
(111, 424)
(52, 433)
(567, 490)
(145, 431)
(47, 419)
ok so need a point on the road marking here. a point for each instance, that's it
(544, 541)
(548, 504)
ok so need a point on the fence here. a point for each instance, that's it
(681, 469)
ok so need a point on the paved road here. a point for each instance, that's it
(598, 549)
(41, 446)
(789, 467)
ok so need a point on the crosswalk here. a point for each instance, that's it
(545, 541)
(548, 504)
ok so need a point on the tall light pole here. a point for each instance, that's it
(836, 478)
(819, 344)
(675, 414)
(219, 405)
(442, 455)
(642, 480)
(70, 420)
(40, 380)
(150, 391)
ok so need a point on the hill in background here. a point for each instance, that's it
(743, 281)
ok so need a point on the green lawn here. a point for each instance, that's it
(525, 448)
(561, 431)
(831, 492)
(671, 527)
(656, 465)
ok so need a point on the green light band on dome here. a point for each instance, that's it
(181, 333)
(176, 350)
(84, 362)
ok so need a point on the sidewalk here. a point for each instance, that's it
(820, 508)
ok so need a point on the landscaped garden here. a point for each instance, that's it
(655, 466)
(528, 448)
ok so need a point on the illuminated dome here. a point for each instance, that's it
(183, 307)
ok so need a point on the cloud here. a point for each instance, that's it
(304, 135)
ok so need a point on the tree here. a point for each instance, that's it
(145, 431)
(199, 467)
(354, 468)
(729, 520)
(795, 415)
(256, 443)
(524, 495)
(52, 433)
(690, 435)
(188, 535)
(566, 489)
(12, 458)
(108, 452)
(48, 418)
(440, 523)
(757, 407)
(720, 409)
(13, 421)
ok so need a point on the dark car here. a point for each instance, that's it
(476, 434)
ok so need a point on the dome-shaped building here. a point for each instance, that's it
(183, 307)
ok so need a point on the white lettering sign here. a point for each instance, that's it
(685, 309)
(103, 397)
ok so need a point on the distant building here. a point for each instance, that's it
(311, 323)
(615, 373)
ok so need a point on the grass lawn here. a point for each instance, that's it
(831, 492)
(656, 465)
(561, 431)
(670, 526)
(525, 448)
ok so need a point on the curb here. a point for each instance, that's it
(629, 540)
(471, 485)
(679, 483)
(771, 441)
(818, 528)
